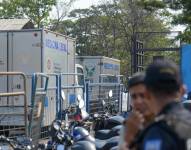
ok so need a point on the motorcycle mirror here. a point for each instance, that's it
(103, 102)
(96, 115)
(79, 97)
(63, 95)
(84, 114)
(81, 101)
(56, 126)
(110, 93)
(81, 104)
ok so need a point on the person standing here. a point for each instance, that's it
(171, 129)
(140, 116)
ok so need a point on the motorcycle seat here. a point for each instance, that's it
(106, 144)
(106, 134)
(117, 119)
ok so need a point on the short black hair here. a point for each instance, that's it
(163, 78)
(137, 78)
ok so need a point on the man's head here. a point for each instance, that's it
(137, 89)
(163, 84)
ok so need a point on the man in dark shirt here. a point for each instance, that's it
(171, 129)
(140, 116)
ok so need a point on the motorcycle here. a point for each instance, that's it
(19, 143)
(104, 121)
(106, 134)
(81, 134)
(61, 139)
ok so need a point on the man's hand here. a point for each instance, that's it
(124, 147)
(133, 125)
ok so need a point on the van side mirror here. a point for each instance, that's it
(110, 93)
(63, 95)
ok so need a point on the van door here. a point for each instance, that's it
(3, 65)
(25, 56)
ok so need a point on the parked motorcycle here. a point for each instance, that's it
(19, 143)
(62, 139)
(104, 121)
(106, 134)
(67, 138)
(81, 134)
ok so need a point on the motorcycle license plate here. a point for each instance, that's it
(60, 147)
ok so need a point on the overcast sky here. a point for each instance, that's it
(84, 3)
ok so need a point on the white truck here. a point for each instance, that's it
(103, 73)
(100, 69)
(31, 51)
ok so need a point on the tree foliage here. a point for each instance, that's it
(40, 12)
(107, 29)
(60, 11)
(183, 17)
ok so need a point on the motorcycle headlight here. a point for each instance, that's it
(29, 147)
(56, 126)
(96, 115)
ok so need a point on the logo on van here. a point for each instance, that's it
(111, 66)
(56, 45)
(90, 70)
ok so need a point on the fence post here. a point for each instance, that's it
(128, 102)
(60, 97)
(57, 96)
(87, 96)
(120, 99)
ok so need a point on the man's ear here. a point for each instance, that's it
(147, 95)
(183, 90)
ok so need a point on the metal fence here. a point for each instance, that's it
(13, 108)
(50, 104)
(38, 95)
(69, 90)
(39, 100)
(50, 99)
(97, 92)
(43, 101)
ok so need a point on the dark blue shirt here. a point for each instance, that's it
(160, 136)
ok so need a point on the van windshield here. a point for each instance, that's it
(80, 77)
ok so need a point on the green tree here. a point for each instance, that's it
(107, 29)
(36, 10)
(11, 9)
(182, 18)
(60, 11)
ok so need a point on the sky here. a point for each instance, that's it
(84, 3)
(79, 4)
